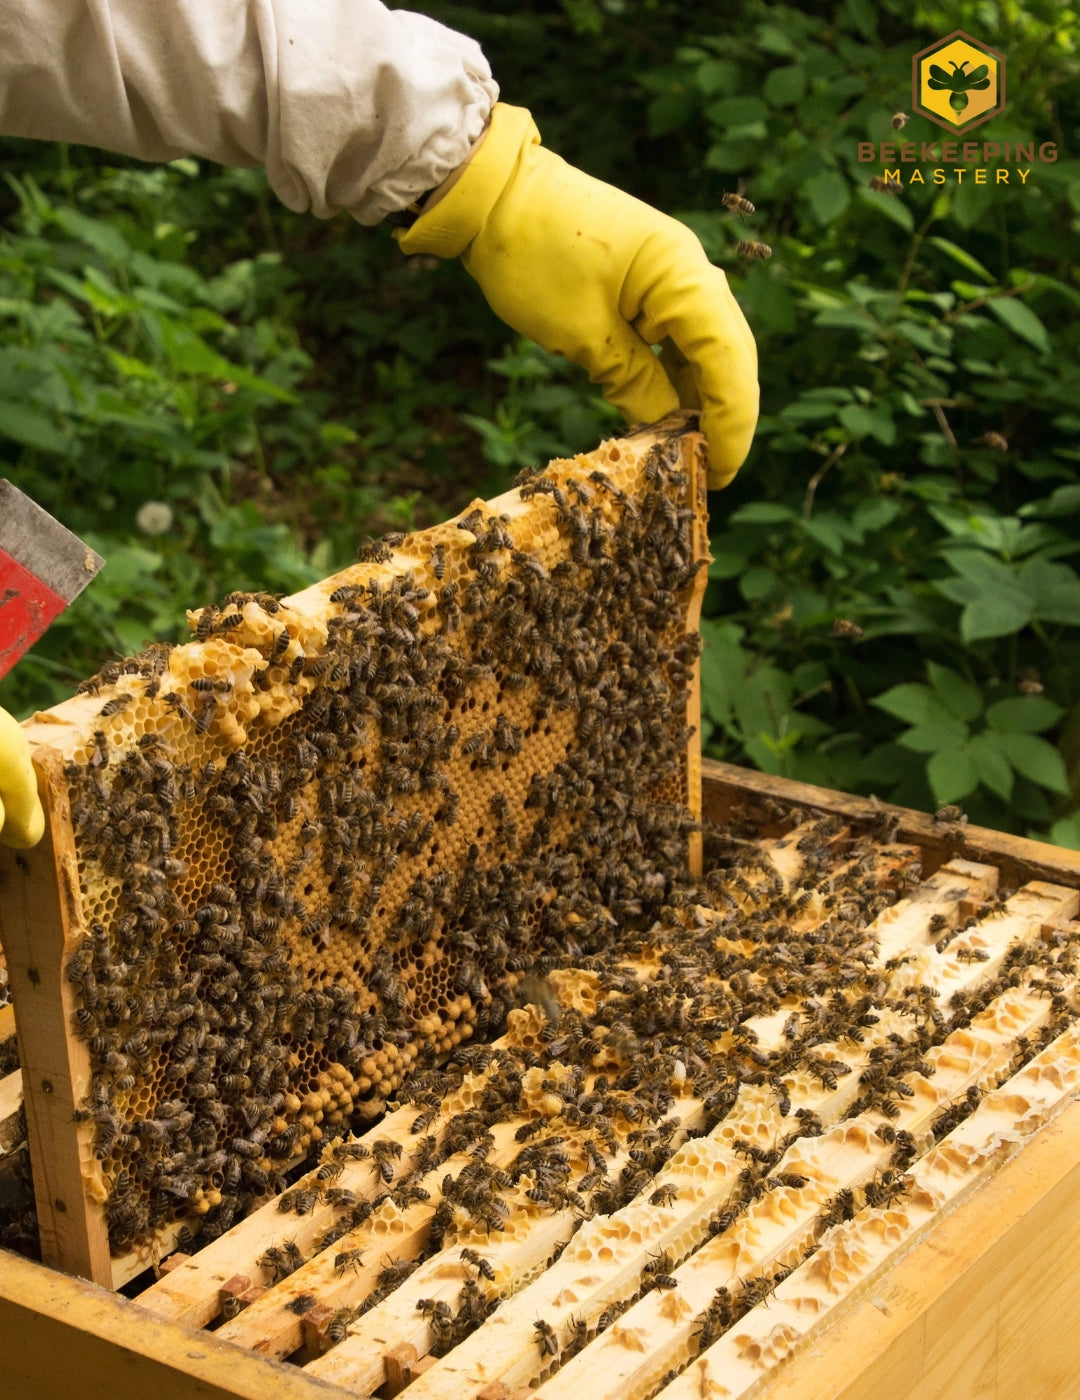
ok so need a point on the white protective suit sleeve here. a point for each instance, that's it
(347, 104)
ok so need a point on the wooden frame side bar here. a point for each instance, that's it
(694, 456)
(40, 921)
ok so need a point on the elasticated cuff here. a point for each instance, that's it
(448, 229)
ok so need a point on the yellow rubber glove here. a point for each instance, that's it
(593, 274)
(22, 821)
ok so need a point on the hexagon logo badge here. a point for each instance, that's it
(959, 82)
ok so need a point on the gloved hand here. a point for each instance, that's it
(22, 821)
(593, 274)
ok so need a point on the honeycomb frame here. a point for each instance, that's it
(216, 961)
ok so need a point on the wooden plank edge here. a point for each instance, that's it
(40, 921)
(696, 460)
(900, 1341)
(62, 1336)
(725, 785)
(11, 1097)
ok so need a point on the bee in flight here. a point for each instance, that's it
(958, 83)
(738, 202)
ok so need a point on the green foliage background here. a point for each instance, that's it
(286, 388)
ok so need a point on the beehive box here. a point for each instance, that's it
(953, 1279)
(801, 1126)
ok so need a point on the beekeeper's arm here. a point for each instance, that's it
(354, 107)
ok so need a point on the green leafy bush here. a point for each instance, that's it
(156, 394)
(894, 601)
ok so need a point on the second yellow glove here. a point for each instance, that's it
(22, 821)
(591, 273)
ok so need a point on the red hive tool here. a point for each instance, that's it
(43, 567)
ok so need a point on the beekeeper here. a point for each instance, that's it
(385, 114)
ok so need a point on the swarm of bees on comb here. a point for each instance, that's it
(326, 838)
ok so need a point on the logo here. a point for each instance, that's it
(959, 82)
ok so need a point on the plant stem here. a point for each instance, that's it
(909, 261)
(976, 302)
(812, 485)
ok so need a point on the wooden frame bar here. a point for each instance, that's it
(987, 1305)
(726, 788)
(700, 528)
(38, 913)
(11, 1097)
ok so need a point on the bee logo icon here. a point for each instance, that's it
(959, 82)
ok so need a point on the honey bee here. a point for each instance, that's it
(175, 702)
(434, 1308)
(755, 1291)
(337, 1329)
(483, 1266)
(281, 1261)
(424, 1120)
(114, 706)
(658, 1263)
(737, 202)
(100, 755)
(546, 1339)
(384, 1152)
(396, 1272)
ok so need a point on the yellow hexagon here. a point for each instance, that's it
(958, 82)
